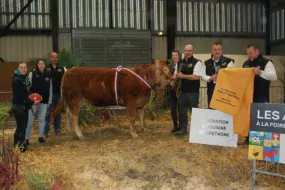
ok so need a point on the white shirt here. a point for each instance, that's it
(269, 72)
(206, 77)
(175, 68)
(199, 69)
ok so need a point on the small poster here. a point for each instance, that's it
(264, 146)
(212, 127)
(267, 132)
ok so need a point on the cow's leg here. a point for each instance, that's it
(131, 115)
(76, 127)
(142, 120)
(74, 114)
(68, 119)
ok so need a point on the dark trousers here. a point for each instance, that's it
(173, 102)
(210, 92)
(186, 101)
(57, 119)
(21, 115)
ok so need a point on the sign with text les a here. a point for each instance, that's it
(212, 127)
(267, 117)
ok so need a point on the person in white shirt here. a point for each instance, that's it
(212, 67)
(173, 101)
(264, 73)
(189, 86)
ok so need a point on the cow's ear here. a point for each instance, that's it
(159, 63)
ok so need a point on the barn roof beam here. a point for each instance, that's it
(267, 6)
(171, 25)
(54, 24)
(4, 30)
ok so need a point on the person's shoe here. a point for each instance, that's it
(23, 147)
(46, 135)
(27, 142)
(175, 129)
(181, 132)
(41, 140)
(58, 133)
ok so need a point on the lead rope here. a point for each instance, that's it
(118, 69)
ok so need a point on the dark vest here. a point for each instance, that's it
(56, 75)
(261, 85)
(41, 84)
(189, 86)
(211, 70)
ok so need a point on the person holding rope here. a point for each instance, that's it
(21, 104)
(41, 84)
(188, 86)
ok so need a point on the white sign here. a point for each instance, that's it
(212, 127)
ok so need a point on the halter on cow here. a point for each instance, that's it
(129, 87)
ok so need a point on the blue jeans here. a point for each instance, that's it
(42, 108)
(56, 121)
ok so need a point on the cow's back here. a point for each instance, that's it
(96, 85)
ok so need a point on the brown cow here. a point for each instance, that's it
(96, 86)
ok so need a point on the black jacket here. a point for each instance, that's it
(56, 75)
(261, 85)
(41, 84)
(189, 86)
(20, 90)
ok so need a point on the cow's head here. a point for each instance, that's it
(162, 73)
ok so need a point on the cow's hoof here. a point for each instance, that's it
(134, 135)
(82, 138)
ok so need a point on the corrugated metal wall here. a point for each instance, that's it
(195, 16)
(110, 48)
(23, 48)
(203, 45)
(37, 15)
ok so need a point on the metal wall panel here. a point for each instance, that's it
(23, 48)
(110, 48)
(95, 14)
(218, 17)
(231, 45)
(158, 15)
(277, 20)
(36, 15)
(159, 48)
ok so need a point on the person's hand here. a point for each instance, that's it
(257, 71)
(213, 77)
(174, 77)
(36, 102)
(48, 105)
(179, 75)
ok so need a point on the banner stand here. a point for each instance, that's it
(255, 171)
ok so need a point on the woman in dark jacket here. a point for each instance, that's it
(21, 104)
(41, 84)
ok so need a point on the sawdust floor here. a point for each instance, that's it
(111, 159)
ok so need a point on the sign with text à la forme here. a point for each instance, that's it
(212, 127)
(267, 132)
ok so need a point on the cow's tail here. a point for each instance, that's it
(61, 105)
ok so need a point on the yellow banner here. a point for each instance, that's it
(233, 95)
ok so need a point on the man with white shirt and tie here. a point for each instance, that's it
(264, 73)
(212, 67)
(173, 101)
